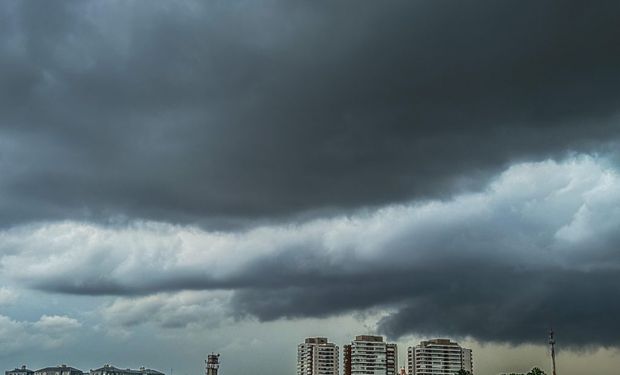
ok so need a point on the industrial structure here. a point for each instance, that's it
(212, 364)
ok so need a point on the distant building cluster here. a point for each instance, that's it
(371, 355)
(68, 370)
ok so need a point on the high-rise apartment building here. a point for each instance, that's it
(438, 357)
(317, 356)
(370, 355)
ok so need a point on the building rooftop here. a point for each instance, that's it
(316, 340)
(369, 338)
(21, 369)
(439, 342)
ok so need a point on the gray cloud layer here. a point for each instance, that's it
(357, 156)
(222, 113)
(536, 248)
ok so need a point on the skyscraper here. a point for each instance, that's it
(317, 356)
(438, 357)
(370, 355)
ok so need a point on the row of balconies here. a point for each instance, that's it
(429, 363)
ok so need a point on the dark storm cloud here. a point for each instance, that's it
(232, 113)
(463, 283)
(222, 113)
(462, 290)
(491, 304)
(515, 307)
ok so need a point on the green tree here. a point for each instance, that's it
(463, 372)
(536, 371)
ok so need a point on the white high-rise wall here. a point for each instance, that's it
(438, 357)
(317, 356)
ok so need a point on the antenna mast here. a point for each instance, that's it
(552, 345)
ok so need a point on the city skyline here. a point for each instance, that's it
(185, 177)
(365, 354)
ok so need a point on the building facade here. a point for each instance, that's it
(19, 371)
(468, 362)
(438, 357)
(370, 355)
(317, 356)
(391, 359)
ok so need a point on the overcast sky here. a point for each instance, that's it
(178, 178)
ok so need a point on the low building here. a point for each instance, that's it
(59, 370)
(19, 371)
(111, 370)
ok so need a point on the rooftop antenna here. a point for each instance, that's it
(552, 345)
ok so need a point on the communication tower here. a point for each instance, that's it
(552, 345)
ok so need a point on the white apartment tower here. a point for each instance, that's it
(438, 357)
(317, 356)
(370, 355)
